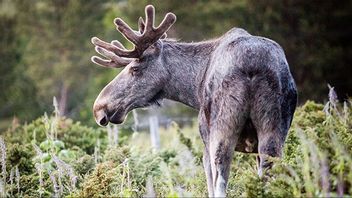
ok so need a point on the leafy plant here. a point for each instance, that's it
(54, 156)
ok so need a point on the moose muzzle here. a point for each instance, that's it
(100, 116)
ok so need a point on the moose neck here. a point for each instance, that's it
(186, 64)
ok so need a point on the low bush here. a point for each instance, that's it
(55, 156)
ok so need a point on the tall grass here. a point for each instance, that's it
(3, 167)
(55, 157)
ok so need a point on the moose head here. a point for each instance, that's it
(141, 81)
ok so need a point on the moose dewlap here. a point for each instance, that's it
(241, 85)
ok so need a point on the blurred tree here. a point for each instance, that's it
(316, 38)
(15, 86)
(58, 49)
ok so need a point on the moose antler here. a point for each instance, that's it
(115, 61)
(147, 35)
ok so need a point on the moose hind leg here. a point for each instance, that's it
(267, 119)
(273, 114)
(204, 132)
(271, 137)
(270, 145)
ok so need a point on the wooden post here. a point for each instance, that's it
(154, 131)
(135, 119)
(115, 132)
(113, 135)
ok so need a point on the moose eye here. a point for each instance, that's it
(141, 59)
(134, 70)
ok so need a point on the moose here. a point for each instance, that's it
(241, 84)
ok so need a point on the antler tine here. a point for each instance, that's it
(167, 22)
(158, 32)
(141, 27)
(126, 31)
(118, 44)
(102, 62)
(150, 15)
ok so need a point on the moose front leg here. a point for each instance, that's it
(228, 119)
(204, 132)
(208, 173)
(223, 139)
(221, 148)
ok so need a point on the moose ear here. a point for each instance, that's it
(154, 49)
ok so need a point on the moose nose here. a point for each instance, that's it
(101, 118)
(104, 121)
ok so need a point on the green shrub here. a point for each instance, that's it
(52, 150)
(71, 133)
(99, 182)
(317, 158)
(317, 161)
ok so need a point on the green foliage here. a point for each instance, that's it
(49, 153)
(188, 143)
(45, 52)
(20, 155)
(58, 157)
(98, 183)
(12, 73)
(124, 172)
(72, 134)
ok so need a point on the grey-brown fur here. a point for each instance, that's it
(241, 85)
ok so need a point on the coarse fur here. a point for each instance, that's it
(241, 85)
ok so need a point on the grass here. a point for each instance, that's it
(54, 156)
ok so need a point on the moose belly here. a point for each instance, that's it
(248, 140)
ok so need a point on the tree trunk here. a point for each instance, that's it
(63, 100)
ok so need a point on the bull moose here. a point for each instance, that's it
(241, 84)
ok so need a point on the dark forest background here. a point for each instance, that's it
(45, 46)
